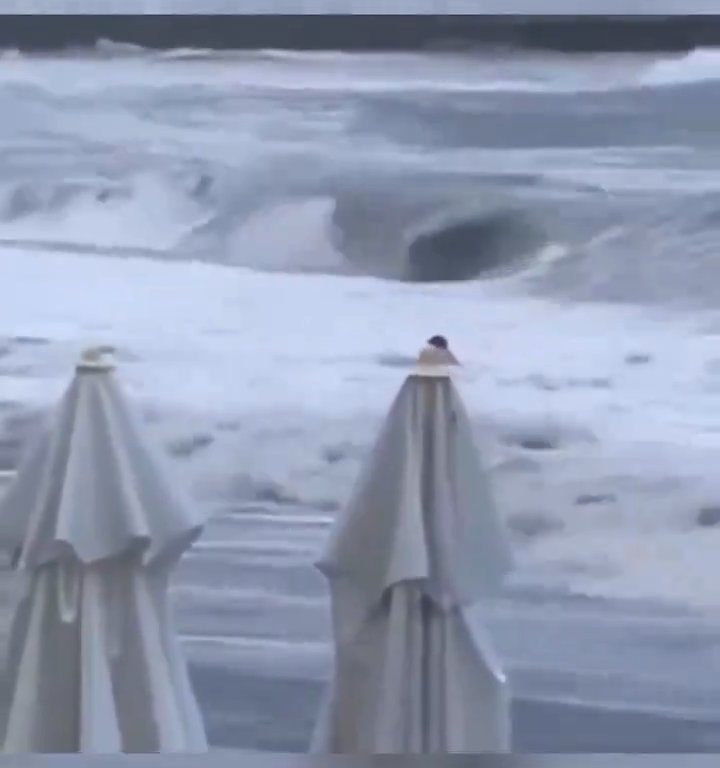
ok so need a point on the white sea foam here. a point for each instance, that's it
(700, 65)
(288, 237)
(153, 215)
(334, 71)
(294, 361)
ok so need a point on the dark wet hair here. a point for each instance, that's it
(438, 341)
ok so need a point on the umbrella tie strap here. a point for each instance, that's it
(68, 592)
(116, 592)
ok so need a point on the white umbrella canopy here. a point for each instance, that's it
(419, 543)
(94, 663)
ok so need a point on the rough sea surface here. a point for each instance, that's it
(268, 238)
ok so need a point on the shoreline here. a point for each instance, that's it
(248, 710)
(281, 715)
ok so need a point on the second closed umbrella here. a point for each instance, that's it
(419, 543)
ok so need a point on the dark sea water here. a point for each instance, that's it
(554, 25)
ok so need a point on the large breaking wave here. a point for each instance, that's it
(462, 168)
(618, 251)
(354, 233)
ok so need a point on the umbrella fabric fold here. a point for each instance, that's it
(94, 663)
(419, 543)
(91, 487)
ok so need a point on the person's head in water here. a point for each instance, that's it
(439, 342)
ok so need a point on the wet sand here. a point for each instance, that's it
(278, 715)
(271, 707)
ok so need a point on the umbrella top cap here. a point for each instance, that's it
(435, 359)
(95, 360)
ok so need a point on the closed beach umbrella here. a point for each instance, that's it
(419, 544)
(94, 663)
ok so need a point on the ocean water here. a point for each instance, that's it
(268, 238)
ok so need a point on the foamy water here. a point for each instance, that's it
(268, 239)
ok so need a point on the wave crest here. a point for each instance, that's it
(700, 65)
